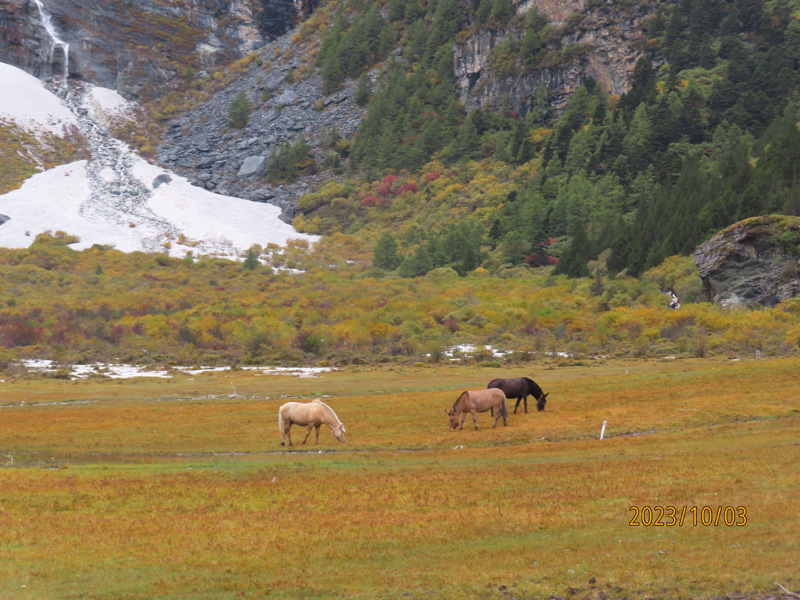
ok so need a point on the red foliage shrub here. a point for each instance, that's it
(535, 260)
(370, 201)
(390, 179)
(19, 333)
(407, 187)
(452, 324)
(385, 189)
(433, 176)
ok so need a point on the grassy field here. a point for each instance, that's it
(179, 488)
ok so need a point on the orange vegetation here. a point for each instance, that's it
(180, 489)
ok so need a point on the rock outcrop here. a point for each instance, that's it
(135, 47)
(202, 146)
(755, 261)
(609, 39)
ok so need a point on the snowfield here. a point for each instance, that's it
(118, 198)
(25, 101)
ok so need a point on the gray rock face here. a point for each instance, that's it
(611, 38)
(754, 261)
(4, 219)
(202, 146)
(287, 98)
(253, 166)
(136, 47)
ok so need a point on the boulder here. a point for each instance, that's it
(287, 98)
(163, 178)
(755, 261)
(253, 166)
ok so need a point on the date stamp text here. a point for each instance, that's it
(705, 516)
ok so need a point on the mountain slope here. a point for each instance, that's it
(116, 198)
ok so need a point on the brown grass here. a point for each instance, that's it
(155, 489)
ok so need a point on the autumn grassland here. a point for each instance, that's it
(179, 488)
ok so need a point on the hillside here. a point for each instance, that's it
(113, 197)
(547, 221)
(636, 130)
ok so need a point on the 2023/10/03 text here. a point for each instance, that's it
(671, 516)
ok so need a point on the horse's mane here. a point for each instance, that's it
(535, 389)
(459, 398)
(330, 410)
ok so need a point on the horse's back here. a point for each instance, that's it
(496, 383)
(298, 412)
(486, 399)
(510, 385)
(515, 387)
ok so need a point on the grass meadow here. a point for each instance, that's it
(152, 488)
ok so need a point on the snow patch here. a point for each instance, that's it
(123, 371)
(108, 106)
(26, 102)
(112, 200)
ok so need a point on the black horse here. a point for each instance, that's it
(520, 388)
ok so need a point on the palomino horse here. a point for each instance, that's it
(520, 388)
(475, 401)
(313, 414)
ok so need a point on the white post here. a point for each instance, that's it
(603, 430)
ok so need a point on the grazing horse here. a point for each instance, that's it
(313, 414)
(520, 388)
(475, 401)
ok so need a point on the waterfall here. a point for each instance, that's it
(55, 41)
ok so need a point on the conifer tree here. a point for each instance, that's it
(386, 256)
(239, 111)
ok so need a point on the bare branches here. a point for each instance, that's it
(787, 592)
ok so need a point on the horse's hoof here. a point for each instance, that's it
(282, 444)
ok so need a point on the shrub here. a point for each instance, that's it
(239, 111)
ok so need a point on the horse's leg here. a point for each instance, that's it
(463, 416)
(516, 406)
(474, 418)
(288, 428)
(525, 398)
(317, 432)
(310, 427)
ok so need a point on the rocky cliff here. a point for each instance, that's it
(754, 261)
(606, 40)
(202, 146)
(136, 47)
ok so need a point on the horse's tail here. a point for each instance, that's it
(504, 409)
(280, 421)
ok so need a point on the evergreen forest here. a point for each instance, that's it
(705, 136)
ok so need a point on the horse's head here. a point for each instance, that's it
(338, 432)
(451, 415)
(541, 402)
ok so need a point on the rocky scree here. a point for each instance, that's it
(202, 146)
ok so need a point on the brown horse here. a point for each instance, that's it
(520, 388)
(313, 414)
(475, 401)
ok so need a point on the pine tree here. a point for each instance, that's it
(239, 111)
(386, 256)
(363, 91)
(251, 261)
